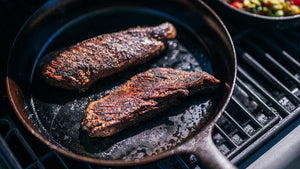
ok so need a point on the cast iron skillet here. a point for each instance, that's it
(253, 20)
(53, 115)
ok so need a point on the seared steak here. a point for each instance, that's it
(143, 96)
(78, 66)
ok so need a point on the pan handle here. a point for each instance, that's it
(212, 157)
(203, 147)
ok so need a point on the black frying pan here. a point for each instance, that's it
(54, 115)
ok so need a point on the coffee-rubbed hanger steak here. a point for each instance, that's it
(143, 97)
(78, 66)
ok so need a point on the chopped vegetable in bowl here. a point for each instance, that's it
(275, 8)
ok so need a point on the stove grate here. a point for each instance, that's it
(266, 95)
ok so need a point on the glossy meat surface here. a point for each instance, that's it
(78, 66)
(143, 97)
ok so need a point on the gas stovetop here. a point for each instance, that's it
(263, 111)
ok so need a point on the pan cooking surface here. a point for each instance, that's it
(58, 113)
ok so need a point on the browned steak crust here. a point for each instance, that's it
(143, 96)
(78, 66)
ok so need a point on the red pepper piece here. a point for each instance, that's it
(237, 4)
(269, 4)
(297, 2)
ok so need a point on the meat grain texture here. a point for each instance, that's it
(78, 66)
(143, 97)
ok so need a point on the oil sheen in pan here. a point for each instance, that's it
(60, 112)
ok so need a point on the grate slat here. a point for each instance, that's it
(246, 112)
(89, 166)
(263, 91)
(181, 162)
(254, 96)
(289, 58)
(253, 138)
(159, 165)
(268, 58)
(53, 154)
(274, 42)
(290, 46)
(34, 165)
(61, 160)
(225, 136)
(16, 132)
(5, 126)
(8, 157)
(282, 69)
(237, 125)
(265, 73)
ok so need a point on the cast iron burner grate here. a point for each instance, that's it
(265, 100)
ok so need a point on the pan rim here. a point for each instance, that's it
(10, 90)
